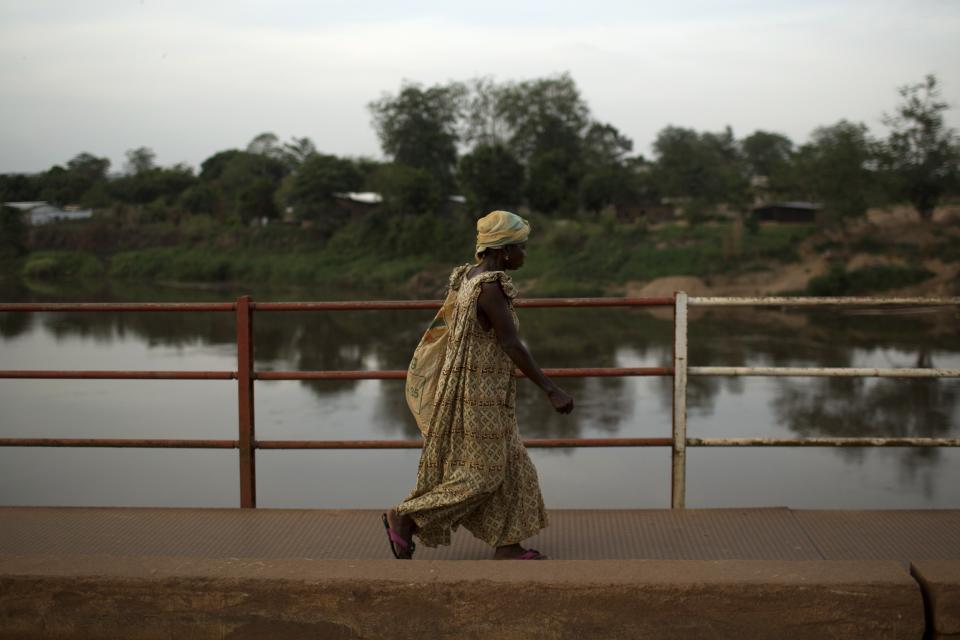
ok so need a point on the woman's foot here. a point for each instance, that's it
(516, 552)
(400, 530)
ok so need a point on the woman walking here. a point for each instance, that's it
(474, 470)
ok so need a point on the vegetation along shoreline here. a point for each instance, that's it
(844, 213)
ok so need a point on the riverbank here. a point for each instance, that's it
(411, 256)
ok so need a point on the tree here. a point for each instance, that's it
(606, 178)
(140, 160)
(255, 200)
(213, 167)
(705, 167)
(166, 184)
(13, 232)
(198, 198)
(407, 190)
(313, 186)
(554, 182)
(265, 144)
(231, 173)
(546, 119)
(769, 161)
(544, 115)
(68, 185)
(419, 128)
(491, 178)
(921, 154)
(56, 186)
(16, 187)
(483, 118)
(88, 168)
(767, 154)
(298, 151)
(603, 144)
(834, 168)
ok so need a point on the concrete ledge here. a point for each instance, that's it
(152, 597)
(940, 581)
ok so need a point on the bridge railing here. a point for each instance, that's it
(246, 442)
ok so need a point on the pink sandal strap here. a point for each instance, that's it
(397, 539)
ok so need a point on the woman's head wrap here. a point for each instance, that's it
(500, 228)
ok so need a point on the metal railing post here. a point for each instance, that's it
(678, 467)
(246, 440)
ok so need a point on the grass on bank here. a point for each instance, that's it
(840, 282)
(61, 265)
(565, 257)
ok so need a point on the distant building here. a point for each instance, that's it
(791, 212)
(360, 202)
(357, 203)
(363, 197)
(40, 212)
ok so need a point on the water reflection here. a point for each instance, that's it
(862, 408)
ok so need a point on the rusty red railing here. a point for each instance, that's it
(245, 375)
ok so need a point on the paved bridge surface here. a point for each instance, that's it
(655, 534)
(249, 573)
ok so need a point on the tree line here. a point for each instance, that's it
(535, 143)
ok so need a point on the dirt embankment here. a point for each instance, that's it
(898, 228)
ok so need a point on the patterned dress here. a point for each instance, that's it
(474, 470)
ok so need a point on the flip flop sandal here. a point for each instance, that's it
(531, 554)
(396, 541)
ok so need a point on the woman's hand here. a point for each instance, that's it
(561, 400)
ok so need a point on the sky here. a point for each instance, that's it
(190, 78)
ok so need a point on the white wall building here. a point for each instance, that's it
(40, 212)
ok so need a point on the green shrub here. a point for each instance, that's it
(148, 264)
(50, 265)
(948, 250)
(839, 282)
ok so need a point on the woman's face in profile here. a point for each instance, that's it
(516, 253)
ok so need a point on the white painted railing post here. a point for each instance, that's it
(678, 487)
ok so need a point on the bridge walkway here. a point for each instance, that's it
(655, 534)
(281, 573)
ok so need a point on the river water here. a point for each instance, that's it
(570, 478)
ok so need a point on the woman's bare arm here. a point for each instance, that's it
(492, 303)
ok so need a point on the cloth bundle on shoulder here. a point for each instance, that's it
(427, 361)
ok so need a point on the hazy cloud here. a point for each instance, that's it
(189, 79)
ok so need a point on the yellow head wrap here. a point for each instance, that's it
(500, 228)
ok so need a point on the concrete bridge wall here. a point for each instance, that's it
(154, 597)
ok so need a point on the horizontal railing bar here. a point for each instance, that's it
(137, 443)
(705, 301)
(593, 302)
(117, 306)
(820, 372)
(361, 305)
(823, 442)
(120, 375)
(372, 305)
(574, 372)
(533, 443)
(348, 305)
(548, 443)
(331, 375)
(399, 374)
